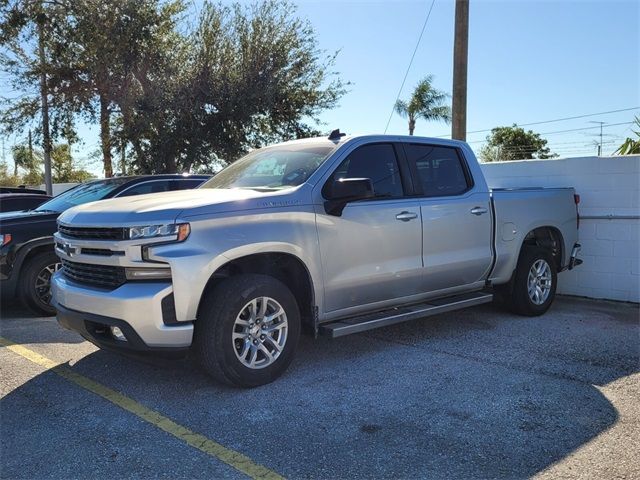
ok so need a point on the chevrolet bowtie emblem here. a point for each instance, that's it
(68, 249)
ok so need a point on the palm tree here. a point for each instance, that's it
(426, 102)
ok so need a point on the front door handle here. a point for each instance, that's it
(406, 216)
(478, 210)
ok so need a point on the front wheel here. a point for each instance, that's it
(35, 283)
(247, 330)
(534, 286)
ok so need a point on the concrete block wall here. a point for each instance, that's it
(608, 186)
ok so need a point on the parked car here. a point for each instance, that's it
(340, 234)
(22, 189)
(27, 257)
(12, 202)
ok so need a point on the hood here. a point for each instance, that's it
(166, 207)
(26, 216)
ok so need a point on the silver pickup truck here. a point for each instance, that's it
(336, 235)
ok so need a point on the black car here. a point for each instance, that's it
(27, 257)
(11, 202)
(22, 189)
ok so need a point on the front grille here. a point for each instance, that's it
(101, 251)
(91, 233)
(105, 276)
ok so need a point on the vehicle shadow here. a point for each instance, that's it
(474, 394)
(20, 325)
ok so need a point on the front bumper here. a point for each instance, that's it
(96, 329)
(135, 308)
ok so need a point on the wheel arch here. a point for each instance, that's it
(545, 236)
(285, 267)
(23, 254)
(548, 237)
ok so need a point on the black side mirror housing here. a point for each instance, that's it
(346, 190)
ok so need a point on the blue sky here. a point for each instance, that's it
(529, 61)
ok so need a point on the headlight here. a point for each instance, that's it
(5, 238)
(182, 230)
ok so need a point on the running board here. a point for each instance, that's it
(392, 316)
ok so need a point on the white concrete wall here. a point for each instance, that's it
(59, 188)
(607, 186)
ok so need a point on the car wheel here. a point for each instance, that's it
(35, 283)
(534, 286)
(247, 330)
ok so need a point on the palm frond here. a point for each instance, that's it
(402, 108)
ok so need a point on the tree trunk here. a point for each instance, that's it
(123, 161)
(412, 126)
(105, 135)
(44, 100)
(30, 153)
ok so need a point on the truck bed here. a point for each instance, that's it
(518, 211)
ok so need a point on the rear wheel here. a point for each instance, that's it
(34, 286)
(247, 330)
(534, 285)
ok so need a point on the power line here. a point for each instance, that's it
(424, 26)
(570, 130)
(555, 120)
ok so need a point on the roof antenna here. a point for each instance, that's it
(336, 135)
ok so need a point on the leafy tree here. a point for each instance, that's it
(426, 103)
(169, 98)
(64, 167)
(631, 146)
(116, 47)
(95, 50)
(514, 143)
(248, 75)
(8, 179)
(27, 40)
(25, 158)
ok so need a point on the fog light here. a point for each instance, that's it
(147, 273)
(117, 334)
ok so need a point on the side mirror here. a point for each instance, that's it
(346, 190)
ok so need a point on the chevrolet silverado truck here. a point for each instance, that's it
(338, 235)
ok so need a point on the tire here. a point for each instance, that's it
(536, 268)
(34, 285)
(226, 311)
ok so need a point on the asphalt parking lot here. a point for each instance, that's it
(473, 394)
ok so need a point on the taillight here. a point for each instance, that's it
(576, 200)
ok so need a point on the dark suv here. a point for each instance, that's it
(27, 257)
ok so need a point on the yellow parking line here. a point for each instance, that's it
(235, 459)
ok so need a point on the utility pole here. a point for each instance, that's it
(600, 144)
(46, 135)
(460, 55)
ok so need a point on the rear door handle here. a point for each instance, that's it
(406, 216)
(478, 210)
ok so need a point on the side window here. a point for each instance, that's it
(154, 186)
(440, 169)
(377, 162)
(186, 184)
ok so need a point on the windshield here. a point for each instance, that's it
(272, 168)
(85, 193)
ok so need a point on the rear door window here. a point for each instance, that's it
(440, 169)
